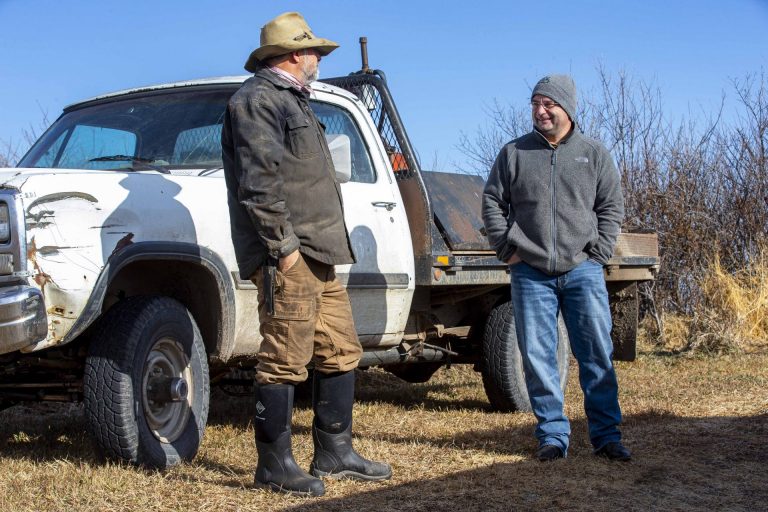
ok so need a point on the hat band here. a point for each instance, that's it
(301, 37)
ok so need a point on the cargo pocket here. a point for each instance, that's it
(302, 138)
(294, 309)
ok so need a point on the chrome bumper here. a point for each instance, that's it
(23, 320)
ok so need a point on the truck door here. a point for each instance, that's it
(381, 283)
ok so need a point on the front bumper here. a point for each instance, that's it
(23, 320)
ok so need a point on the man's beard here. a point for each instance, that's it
(310, 75)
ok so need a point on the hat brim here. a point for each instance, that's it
(323, 47)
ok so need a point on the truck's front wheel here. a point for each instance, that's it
(502, 368)
(146, 384)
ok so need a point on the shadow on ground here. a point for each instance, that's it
(370, 387)
(702, 464)
(680, 463)
(46, 431)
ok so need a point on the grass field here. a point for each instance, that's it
(698, 427)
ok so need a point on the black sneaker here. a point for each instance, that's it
(614, 451)
(549, 452)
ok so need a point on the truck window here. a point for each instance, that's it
(339, 121)
(178, 129)
(49, 157)
(88, 142)
(199, 145)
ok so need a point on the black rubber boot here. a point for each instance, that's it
(276, 468)
(332, 398)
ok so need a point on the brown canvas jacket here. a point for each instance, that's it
(281, 184)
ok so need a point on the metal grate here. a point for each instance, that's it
(372, 90)
(198, 145)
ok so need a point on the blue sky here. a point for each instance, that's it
(445, 60)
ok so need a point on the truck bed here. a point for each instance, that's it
(459, 241)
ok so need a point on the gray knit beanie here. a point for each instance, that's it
(559, 88)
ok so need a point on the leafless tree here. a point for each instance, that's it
(12, 151)
(505, 122)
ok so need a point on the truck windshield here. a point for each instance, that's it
(155, 130)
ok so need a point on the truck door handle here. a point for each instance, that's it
(384, 204)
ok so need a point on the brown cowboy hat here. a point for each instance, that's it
(287, 33)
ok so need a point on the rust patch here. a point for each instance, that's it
(456, 204)
(41, 278)
(123, 243)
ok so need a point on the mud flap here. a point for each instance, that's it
(624, 302)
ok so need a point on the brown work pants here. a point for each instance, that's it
(312, 322)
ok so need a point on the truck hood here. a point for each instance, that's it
(15, 177)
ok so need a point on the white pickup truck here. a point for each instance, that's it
(118, 282)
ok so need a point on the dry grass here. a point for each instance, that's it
(698, 427)
(732, 317)
(735, 312)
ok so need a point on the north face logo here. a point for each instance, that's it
(260, 407)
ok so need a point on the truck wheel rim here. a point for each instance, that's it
(166, 420)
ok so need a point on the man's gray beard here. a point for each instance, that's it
(309, 77)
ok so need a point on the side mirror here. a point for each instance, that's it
(341, 154)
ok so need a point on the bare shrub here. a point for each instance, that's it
(8, 154)
(12, 151)
(505, 122)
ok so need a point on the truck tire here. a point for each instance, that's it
(146, 383)
(502, 368)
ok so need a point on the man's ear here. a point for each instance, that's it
(295, 57)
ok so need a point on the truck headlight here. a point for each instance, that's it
(5, 224)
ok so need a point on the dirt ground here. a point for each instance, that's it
(698, 428)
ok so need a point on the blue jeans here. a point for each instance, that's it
(581, 296)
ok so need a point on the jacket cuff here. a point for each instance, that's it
(506, 252)
(285, 248)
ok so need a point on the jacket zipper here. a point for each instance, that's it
(552, 182)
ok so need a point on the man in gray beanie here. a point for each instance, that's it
(552, 209)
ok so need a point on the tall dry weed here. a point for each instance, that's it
(732, 315)
(734, 311)
(670, 334)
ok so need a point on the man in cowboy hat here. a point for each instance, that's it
(288, 231)
(552, 209)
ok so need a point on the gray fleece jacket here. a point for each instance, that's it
(555, 207)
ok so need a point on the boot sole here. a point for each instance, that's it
(350, 475)
(282, 490)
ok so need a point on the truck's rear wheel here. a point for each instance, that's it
(502, 368)
(146, 384)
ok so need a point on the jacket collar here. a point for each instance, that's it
(276, 80)
(564, 140)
